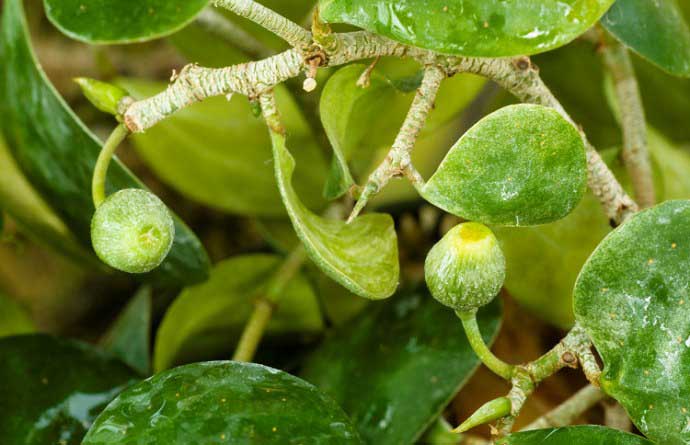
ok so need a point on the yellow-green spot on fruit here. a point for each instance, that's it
(466, 269)
(132, 231)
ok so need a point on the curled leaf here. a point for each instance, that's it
(362, 256)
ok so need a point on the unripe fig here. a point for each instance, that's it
(466, 269)
(132, 231)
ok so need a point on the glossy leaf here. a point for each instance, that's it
(355, 123)
(580, 435)
(480, 28)
(360, 121)
(632, 298)
(130, 335)
(52, 389)
(229, 168)
(14, 320)
(222, 402)
(20, 200)
(397, 365)
(521, 165)
(362, 255)
(57, 153)
(206, 320)
(121, 21)
(655, 29)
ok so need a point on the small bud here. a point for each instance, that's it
(309, 84)
(103, 96)
(132, 231)
(466, 269)
(488, 412)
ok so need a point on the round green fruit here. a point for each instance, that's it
(466, 269)
(132, 231)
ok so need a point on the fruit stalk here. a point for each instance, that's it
(100, 173)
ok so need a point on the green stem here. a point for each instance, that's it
(265, 305)
(495, 364)
(101, 169)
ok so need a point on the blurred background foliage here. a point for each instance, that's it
(212, 165)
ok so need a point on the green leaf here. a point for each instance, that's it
(362, 256)
(14, 320)
(480, 28)
(396, 366)
(655, 29)
(217, 153)
(222, 402)
(54, 388)
(20, 200)
(130, 336)
(633, 297)
(544, 261)
(349, 113)
(121, 21)
(206, 320)
(521, 165)
(361, 121)
(57, 153)
(580, 435)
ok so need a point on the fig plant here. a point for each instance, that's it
(384, 376)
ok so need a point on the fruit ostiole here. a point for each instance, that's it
(132, 230)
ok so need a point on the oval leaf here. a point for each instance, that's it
(397, 365)
(655, 29)
(229, 167)
(222, 402)
(54, 389)
(633, 298)
(580, 435)
(57, 153)
(121, 21)
(479, 28)
(362, 256)
(521, 165)
(206, 320)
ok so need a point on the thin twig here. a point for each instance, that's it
(516, 75)
(567, 353)
(615, 416)
(215, 23)
(567, 412)
(286, 29)
(635, 153)
(398, 161)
